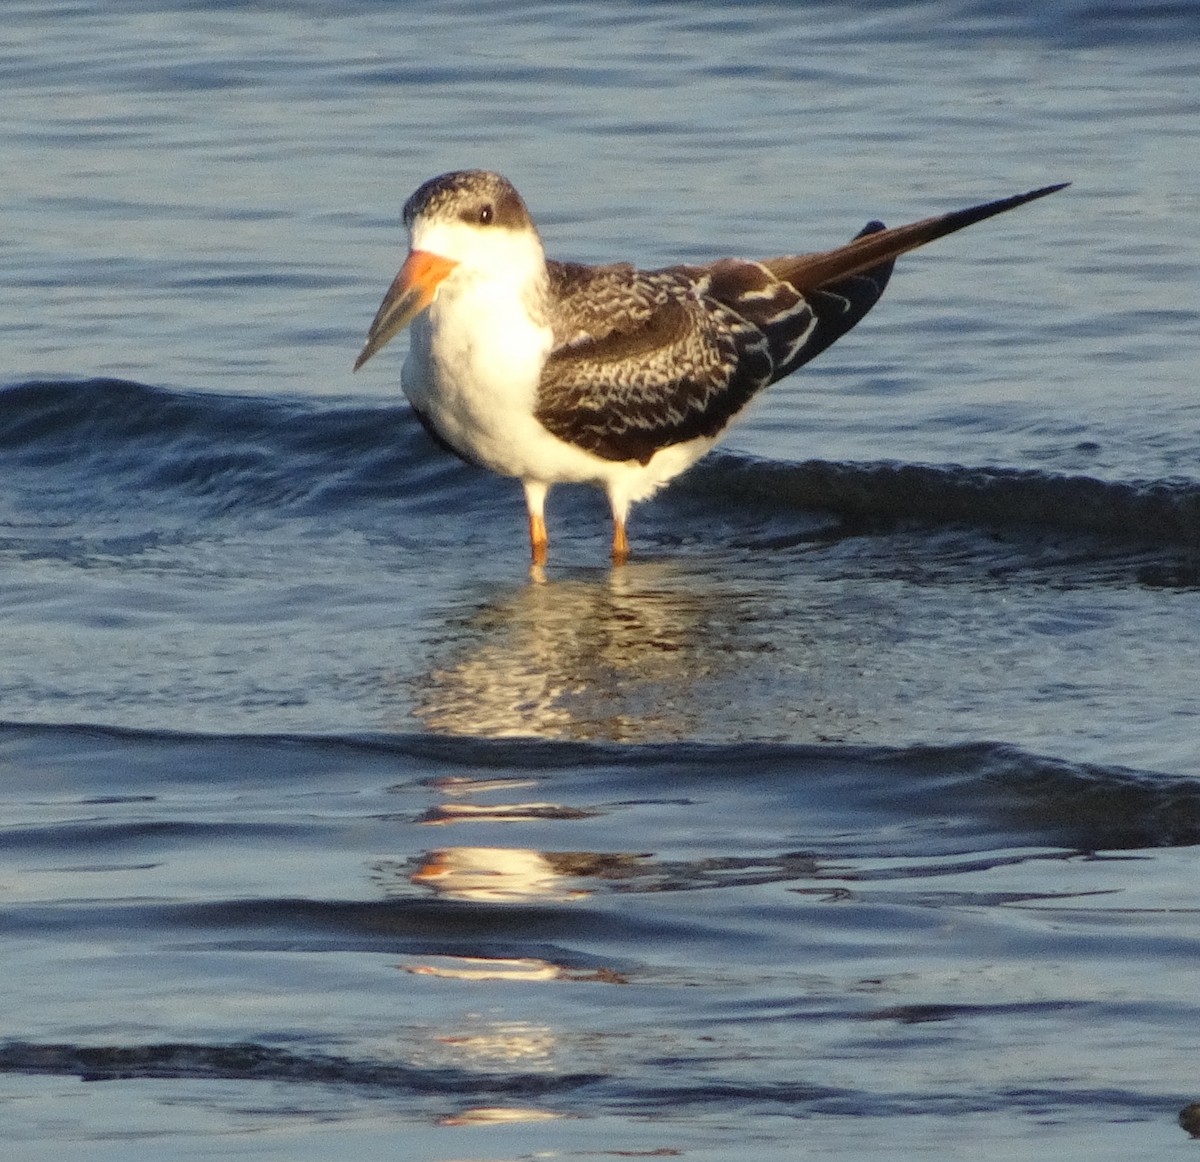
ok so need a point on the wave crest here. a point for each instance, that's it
(234, 452)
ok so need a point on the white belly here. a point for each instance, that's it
(473, 369)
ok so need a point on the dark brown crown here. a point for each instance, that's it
(476, 196)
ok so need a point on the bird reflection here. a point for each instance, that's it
(493, 874)
(629, 655)
(487, 968)
(518, 875)
(523, 968)
(445, 813)
(498, 1115)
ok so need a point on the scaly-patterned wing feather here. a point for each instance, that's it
(643, 361)
(648, 359)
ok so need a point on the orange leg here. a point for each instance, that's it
(539, 542)
(535, 501)
(620, 548)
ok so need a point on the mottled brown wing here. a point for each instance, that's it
(649, 359)
(643, 360)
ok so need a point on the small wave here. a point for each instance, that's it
(224, 453)
(1064, 23)
(251, 1061)
(984, 793)
(1154, 512)
(951, 1101)
(110, 438)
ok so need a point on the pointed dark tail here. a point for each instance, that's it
(809, 272)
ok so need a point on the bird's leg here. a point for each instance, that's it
(620, 545)
(535, 502)
(619, 505)
(539, 542)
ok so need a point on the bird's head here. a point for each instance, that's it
(470, 223)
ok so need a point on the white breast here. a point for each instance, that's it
(474, 366)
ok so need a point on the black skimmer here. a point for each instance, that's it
(555, 372)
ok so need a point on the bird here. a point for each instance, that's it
(559, 372)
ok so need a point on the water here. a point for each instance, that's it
(854, 819)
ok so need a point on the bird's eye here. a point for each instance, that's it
(486, 215)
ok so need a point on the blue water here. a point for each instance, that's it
(854, 819)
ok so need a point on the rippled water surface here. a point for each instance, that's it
(854, 819)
